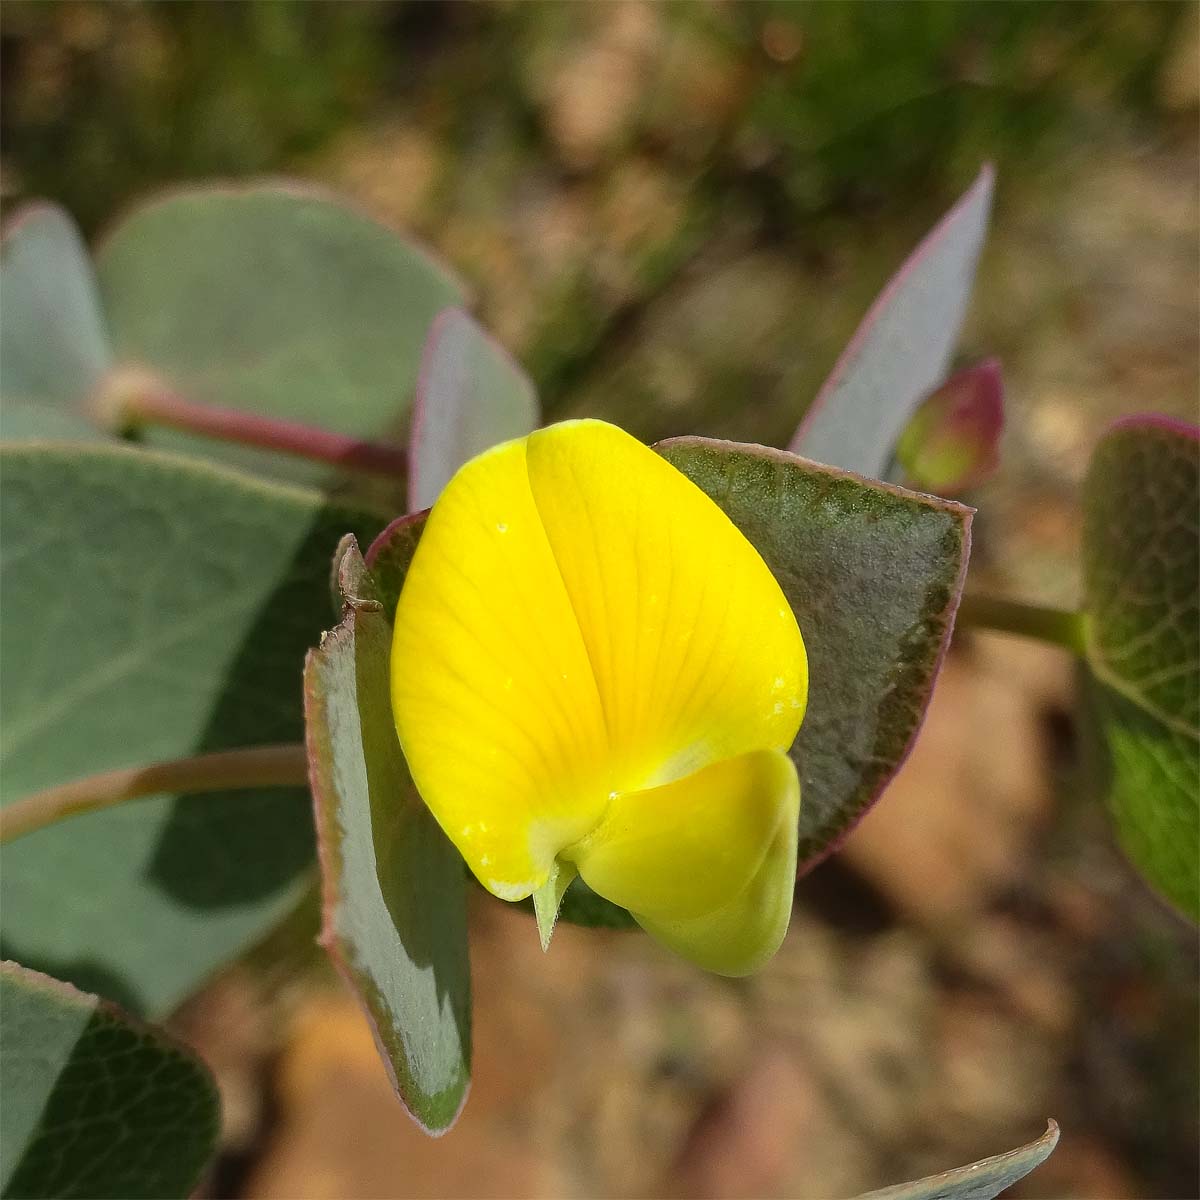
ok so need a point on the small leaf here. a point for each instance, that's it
(981, 1180)
(153, 608)
(874, 575)
(471, 396)
(95, 1103)
(275, 300)
(394, 887)
(952, 442)
(1141, 558)
(902, 349)
(53, 341)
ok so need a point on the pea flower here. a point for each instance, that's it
(594, 673)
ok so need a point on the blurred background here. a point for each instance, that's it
(675, 214)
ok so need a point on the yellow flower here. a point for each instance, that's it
(594, 673)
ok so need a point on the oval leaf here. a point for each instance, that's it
(981, 1180)
(394, 888)
(1141, 558)
(154, 608)
(275, 300)
(471, 395)
(874, 575)
(53, 340)
(95, 1104)
(952, 442)
(901, 351)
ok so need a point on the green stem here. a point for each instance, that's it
(1057, 626)
(132, 400)
(226, 770)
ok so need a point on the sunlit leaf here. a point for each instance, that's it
(394, 887)
(902, 350)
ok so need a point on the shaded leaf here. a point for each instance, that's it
(471, 395)
(874, 575)
(394, 887)
(1141, 558)
(154, 608)
(952, 442)
(981, 1180)
(53, 342)
(276, 300)
(95, 1104)
(902, 350)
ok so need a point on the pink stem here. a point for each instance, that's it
(160, 406)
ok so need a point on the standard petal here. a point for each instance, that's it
(695, 651)
(684, 849)
(492, 692)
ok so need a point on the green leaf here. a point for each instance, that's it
(53, 342)
(471, 396)
(153, 608)
(874, 575)
(274, 300)
(981, 1180)
(95, 1103)
(902, 350)
(395, 919)
(1141, 559)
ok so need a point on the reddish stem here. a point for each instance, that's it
(152, 404)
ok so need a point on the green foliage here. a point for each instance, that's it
(1141, 554)
(95, 1104)
(274, 300)
(982, 1180)
(874, 575)
(154, 608)
(394, 887)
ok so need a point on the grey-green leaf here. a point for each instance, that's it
(1141, 558)
(394, 887)
(874, 574)
(54, 347)
(981, 1180)
(276, 300)
(153, 608)
(95, 1104)
(471, 396)
(902, 349)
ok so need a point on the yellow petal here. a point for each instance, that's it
(492, 692)
(694, 647)
(684, 849)
(741, 935)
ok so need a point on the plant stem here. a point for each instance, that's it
(1057, 626)
(226, 770)
(132, 401)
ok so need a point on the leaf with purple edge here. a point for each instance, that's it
(952, 441)
(471, 395)
(902, 349)
(1141, 559)
(983, 1180)
(394, 888)
(874, 574)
